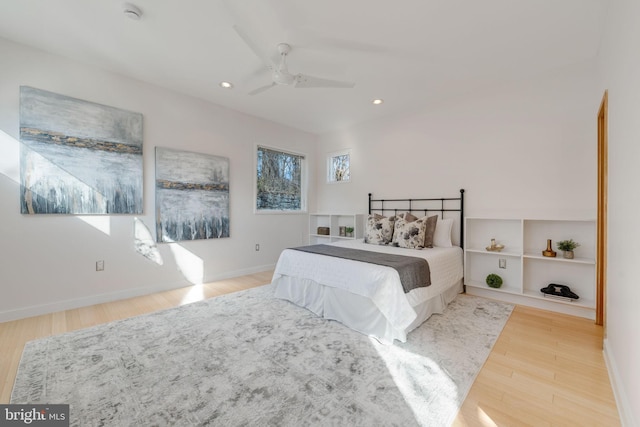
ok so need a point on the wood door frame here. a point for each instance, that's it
(601, 233)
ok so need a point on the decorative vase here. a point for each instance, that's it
(549, 252)
(568, 254)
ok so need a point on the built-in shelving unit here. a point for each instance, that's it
(526, 269)
(334, 222)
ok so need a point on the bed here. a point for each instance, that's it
(370, 298)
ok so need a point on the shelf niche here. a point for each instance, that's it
(527, 270)
(334, 222)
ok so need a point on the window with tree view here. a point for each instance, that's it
(279, 181)
(339, 167)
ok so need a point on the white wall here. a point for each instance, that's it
(522, 150)
(47, 262)
(620, 65)
(526, 150)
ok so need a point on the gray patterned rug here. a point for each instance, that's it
(248, 359)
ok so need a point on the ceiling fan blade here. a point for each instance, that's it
(305, 81)
(254, 47)
(262, 89)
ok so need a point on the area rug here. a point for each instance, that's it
(249, 359)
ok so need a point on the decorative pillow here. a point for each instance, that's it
(379, 229)
(409, 234)
(430, 230)
(430, 227)
(442, 236)
(409, 217)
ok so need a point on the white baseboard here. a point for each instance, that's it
(37, 310)
(541, 303)
(624, 406)
(237, 273)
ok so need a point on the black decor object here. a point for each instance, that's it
(559, 291)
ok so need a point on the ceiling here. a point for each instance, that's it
(411, 53)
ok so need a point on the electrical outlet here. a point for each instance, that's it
(502, 263)
(99, 265)
(257, 247)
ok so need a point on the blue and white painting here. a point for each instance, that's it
(78, 157)
(192, 195)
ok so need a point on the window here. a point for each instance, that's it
(280, 181)
(339, 166)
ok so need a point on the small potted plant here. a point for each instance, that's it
(494, 281)
(349, 231)
(567, 247)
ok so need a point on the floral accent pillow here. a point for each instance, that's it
(379, 229)
(409, 234)
(430, 227)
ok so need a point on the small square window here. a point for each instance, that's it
(339, 166)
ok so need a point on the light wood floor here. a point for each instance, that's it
(546, 369)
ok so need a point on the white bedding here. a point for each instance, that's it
(378, 284)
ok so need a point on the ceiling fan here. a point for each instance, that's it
(280, 74)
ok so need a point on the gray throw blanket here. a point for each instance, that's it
(414, 272)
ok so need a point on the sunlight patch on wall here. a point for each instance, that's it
(190, 265)
(144, 242)
(10, 159)
(100, 223)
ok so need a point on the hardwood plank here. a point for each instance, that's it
(546, 369)
(521, 365)
(557, 371)
(490, 413)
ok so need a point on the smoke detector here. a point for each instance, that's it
(132, 11)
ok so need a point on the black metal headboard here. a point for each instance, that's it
(421, 206)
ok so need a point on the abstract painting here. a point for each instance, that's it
(78, 157)
(192, 195)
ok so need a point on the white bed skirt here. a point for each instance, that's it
(356, 311)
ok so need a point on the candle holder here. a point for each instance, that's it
(494, 247)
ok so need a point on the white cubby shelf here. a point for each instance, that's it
(527, 270)
(334, 222)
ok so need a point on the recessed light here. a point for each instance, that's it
(132, 11)
(226, 85)
(377, 101)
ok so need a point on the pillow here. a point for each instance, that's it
(430, 230)
(409, 234)
(409, 217)
(430, 227)
(379, 229)
(442, 235)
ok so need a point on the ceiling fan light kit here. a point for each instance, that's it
(280, 75)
